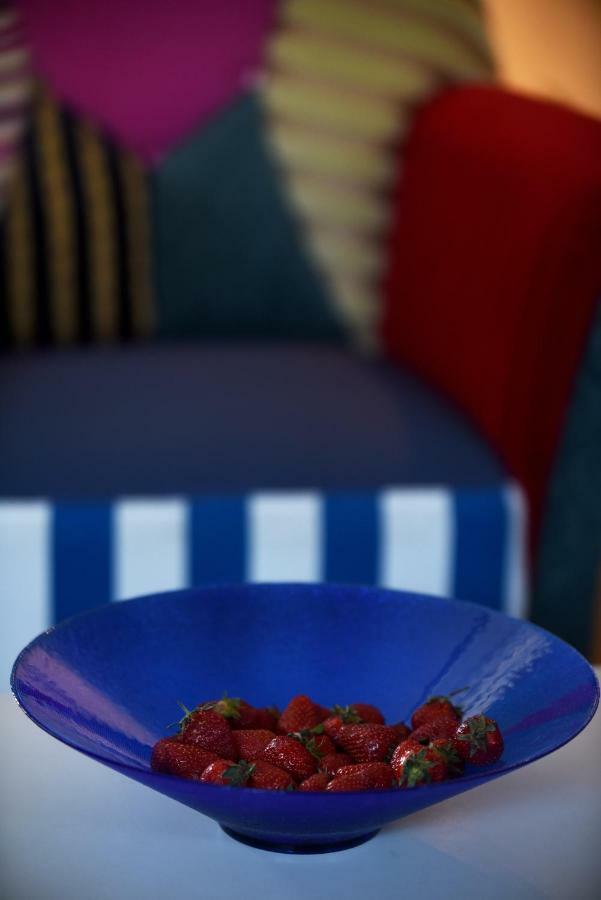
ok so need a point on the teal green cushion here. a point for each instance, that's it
(229, 258)
(569, 560)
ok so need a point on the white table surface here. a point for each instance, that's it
(71, 829)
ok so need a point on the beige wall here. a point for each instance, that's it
(549, 48)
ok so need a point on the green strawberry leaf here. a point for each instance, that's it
(181, 723)
(228, 707)
(348, 714)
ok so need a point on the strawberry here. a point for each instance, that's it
(209, 730)
(316, 742)
(366, 713)
(332, 726)
(172, 756)
(251, 741)
(414, 764)
(435, 708)
(367, 743)
(359, 712)
(448, 751)
(301, 713)
(363, 777)
(289, 754)
(401, 730)
(225, 771)
(241, 715)
(271, 778)
(347, 748)
(324, 745)
(479, 740)
(317, 782)
(266, 717)
(378, 775)
(331, 762)
(238, 712)
(162, 748)
(432, 731)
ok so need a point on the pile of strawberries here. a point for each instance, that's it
(311, 748)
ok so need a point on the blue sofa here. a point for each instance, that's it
(190, 388)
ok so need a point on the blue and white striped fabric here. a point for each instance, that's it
(57, 559)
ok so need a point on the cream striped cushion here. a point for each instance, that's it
(343, 79)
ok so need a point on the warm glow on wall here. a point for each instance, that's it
(549, 48)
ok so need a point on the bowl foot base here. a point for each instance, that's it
(283, 847)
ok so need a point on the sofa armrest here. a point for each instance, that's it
(496, 265)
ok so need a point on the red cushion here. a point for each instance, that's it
(495, 264)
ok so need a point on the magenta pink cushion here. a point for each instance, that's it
(148, 71)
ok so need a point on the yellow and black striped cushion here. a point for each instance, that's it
(15, 86)
(74, 237)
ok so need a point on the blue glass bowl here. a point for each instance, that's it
(106, 683)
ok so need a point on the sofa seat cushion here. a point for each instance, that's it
(130, 471)
(198, 418)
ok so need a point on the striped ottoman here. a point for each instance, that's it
(128, 471)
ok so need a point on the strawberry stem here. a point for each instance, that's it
(186, 717)
(445, 698)
(238, 774)
(348, 714)
(228, 707)
(416, 770)
(307, 739)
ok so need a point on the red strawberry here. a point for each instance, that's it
(367, 713)
(266, 717)
(332, 726)
(316, 742)
(479, 740)
(251, 741)
(225, 771)
(363, 777)
(435, 708)
(264, 775)
(317, 782)
(331, 762)
(241, 715)
(357, 713)
(172, 756)
(402, 732)
(347, 714)
(432, 731)
(452, 758)
(290, 755)
(238, 712)
(324, 745)
(163, 747)
(207, 729)
(414, 764)
(367, 743)
(378, 775)
(301, 713)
